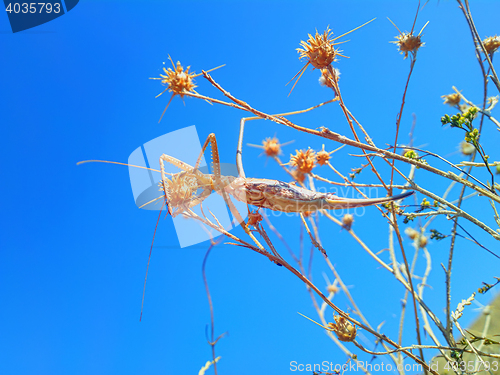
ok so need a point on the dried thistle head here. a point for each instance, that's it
(304, 161)
(347, 221)
(343, 328)
(451, 99)
(319, 50)
(466, 148)
(332, 289)
(422, 241)
(412, 233)
(178, 80)
(491, 44)
(407, 41)
(272, 146)
(323, 157)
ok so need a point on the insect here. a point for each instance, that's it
(181, 190)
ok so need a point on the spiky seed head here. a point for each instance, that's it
(319, 50)
(412, 233)
(179, 81)
(332, 289)
(343, 328)
(466, 148)
(422, 241)
(451, 99)
(407, 42)
(347, 221)
(491, 44)
(304, 161)
(323, 157)
(272, 146)
(497, 169)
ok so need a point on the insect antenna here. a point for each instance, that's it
(149, 260)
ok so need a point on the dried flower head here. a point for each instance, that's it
(491, 44)
(408, 42)
(323, 157)
(332, 289)
(343, 328)
(451, 99)
(412, 233)
(422, 241)
(347, 221)
(178, 80)
(466, 148)
(319, 50)
(304, 161)
(271, 146)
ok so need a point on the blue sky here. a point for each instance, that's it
(74, 246)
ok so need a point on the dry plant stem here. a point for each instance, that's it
(397, 275)
(400, 114)
(474, 350)
(326, 133)
(281, 238)
(409, 277)
(458, 211)
(304, 279)
(313, 240)
(403, 303)
(427, 347)
(468, 16)
(427, 326)
(393, 209)
(348, 118)
(473, 164)
(353, 184)
(477, 40)
(212, 341)
(486, 327)
(353, 303)
(343, 314)
(321, 314)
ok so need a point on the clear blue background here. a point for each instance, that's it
(74, 246)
